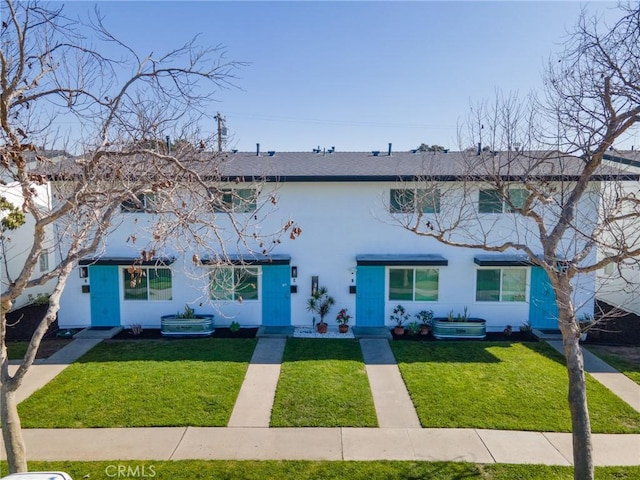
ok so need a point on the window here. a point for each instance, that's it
(144, 202)
(141, 283)
(44, 261)
(234, 283)
(404, 200)
(491, 201)
(413, 284)
(501, 285)
(236, 200)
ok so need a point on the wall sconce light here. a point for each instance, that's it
(314, 284)
(294, 272)
(84, 272)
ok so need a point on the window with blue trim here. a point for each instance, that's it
(234, 283)
(501, 285)
(413, 284)
(405, 200)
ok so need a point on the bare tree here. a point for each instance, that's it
(545, 165)
(121, 110)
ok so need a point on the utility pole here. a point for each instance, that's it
(220, 121)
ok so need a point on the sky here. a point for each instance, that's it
(355, 75)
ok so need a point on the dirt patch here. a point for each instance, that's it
(628, 354)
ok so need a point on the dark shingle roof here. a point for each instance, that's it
(364, 166)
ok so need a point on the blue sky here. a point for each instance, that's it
(355, 75)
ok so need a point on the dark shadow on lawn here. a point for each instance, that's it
(447, 351)
(546, 350)
(172, 350)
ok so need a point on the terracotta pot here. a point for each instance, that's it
(398, 331)
(425, 329)
(343, 328)
(321, 327)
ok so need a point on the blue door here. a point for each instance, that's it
(104, 295)
(276, 295)
(370, 296)
(543, 309)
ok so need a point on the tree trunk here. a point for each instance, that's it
(580, 422)
(11, 431)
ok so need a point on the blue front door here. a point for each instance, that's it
(276, 295)
(543, 310)
(370, 296)
(104, 295)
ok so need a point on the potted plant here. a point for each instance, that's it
(425, 318)
(187, 322)
(343, 321)
(413, 328)
(399, 316)
(320, 302)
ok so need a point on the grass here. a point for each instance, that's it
(16, 350)
(306, 470)
(629, 368)
(323, 384)
(501, 385)
(175, 382)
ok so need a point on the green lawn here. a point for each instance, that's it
(16, 350)
(630, 369)
(175, 382)
(304, 470)
(501, 385)
(323, 383)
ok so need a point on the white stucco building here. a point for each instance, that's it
(350, 206)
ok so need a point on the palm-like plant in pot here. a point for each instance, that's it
(399, 316)
(320, 303)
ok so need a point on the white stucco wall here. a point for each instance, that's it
(18, 243)
(339, 221)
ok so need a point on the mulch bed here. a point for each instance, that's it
(154, 334)
(491, 337)
(23, 322)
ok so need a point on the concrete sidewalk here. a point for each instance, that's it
(248, 436)
(247, 443)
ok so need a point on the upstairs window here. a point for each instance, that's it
(413, 284)
(404, 200)
(234, 283)
(236, 200)
(501, 285)
(44, 261)
(491, 201)
(147, 283)
(144, 202)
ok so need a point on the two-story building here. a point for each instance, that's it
(351, 207)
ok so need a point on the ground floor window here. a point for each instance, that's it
(501, 285)
(413, 284)
(147, 283)
(234, 283)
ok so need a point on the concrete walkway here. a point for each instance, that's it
(248, 435)
(621, 385)
(390, 397)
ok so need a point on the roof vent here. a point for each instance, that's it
(389, 151)
(375, 153)
(414, 150)
(331, 150)
(235, 150)
(257, 149)
(271, 153)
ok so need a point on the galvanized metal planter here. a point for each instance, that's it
(202, 325)
(470, 328)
